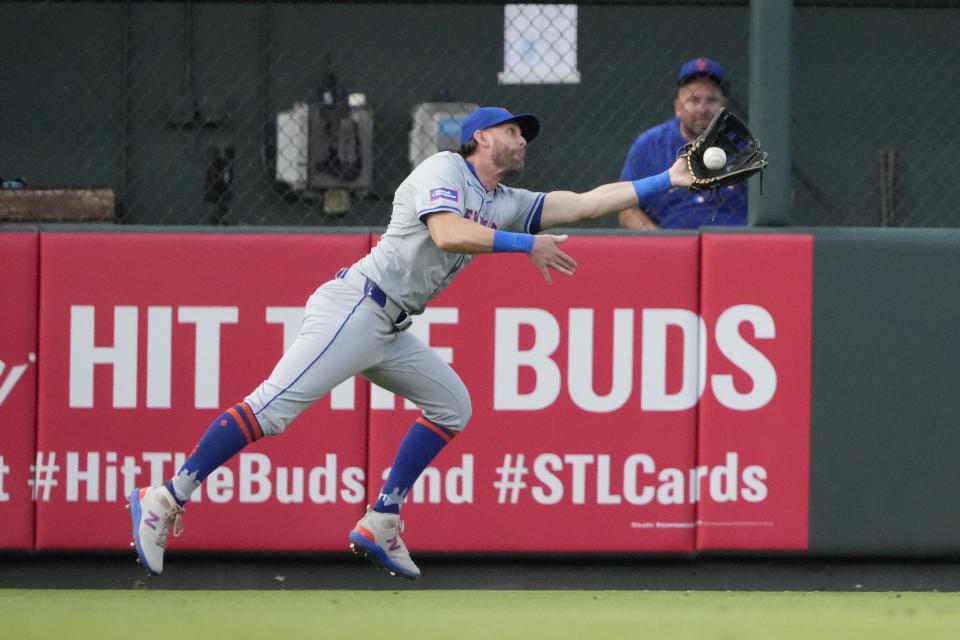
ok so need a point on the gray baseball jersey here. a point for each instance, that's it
(406, 263)
(350, 323)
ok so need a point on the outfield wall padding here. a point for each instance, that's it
(726, 391)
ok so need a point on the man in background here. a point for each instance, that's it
(701, 93)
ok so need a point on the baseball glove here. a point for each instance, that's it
(745, 156)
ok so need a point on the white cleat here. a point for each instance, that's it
(154, 513)
(377, 538)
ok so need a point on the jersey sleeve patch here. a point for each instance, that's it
(444, 193)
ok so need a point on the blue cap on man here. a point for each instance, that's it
(700, 67)
(486, 117)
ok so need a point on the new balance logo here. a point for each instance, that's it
(394, 543)
(6, 386)
(152, 520)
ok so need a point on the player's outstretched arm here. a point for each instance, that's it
(452, 233)
(566, 207)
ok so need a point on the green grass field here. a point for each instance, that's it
(560, 615)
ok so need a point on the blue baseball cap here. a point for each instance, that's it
(486, 117)
(700, 67)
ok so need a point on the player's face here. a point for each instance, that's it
(696, 104)
(509, 148)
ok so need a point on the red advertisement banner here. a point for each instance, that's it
(18, 386)
(754, 426)
(595, 425)
(145, 339)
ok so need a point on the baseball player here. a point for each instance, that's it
(450, 208)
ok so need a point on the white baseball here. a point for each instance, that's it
(714, 158)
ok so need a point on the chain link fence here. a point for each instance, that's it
(311, 114)
(873, 90)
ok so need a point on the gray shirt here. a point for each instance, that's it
(406, 263)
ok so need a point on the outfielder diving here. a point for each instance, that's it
(450, 208)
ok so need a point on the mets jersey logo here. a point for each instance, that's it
(444, 193)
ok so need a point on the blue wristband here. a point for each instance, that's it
(509, 241)
(646, 187)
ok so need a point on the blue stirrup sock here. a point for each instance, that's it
(419, 447)
(234, 429)
(646, 187)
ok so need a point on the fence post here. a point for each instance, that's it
(770, 108)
